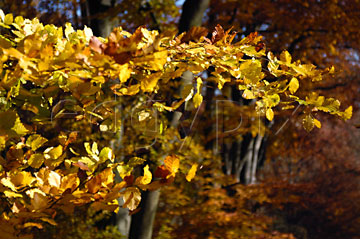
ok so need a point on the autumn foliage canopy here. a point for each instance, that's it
(66, 94)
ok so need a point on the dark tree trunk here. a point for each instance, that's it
(101, 24)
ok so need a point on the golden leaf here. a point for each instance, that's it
(247, 94)
(198, 98)
(348, 113)
(106, 154)
(35, 141)
(317, 123)
(33, 224)
(146, 179)
(132, 198)
(70, 181)
(149, 83)
(21, 179)
(270, 114)
(285, 57)
(124, 72)
(191, 174)
(172, 164)
(293, 85)
(131, 90)
(38, 201)
(36, 160)
(251, 70)
(155, 61)
(53, 152)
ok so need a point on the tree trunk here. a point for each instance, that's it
(142, 222)
(92, 12)
(100, 24)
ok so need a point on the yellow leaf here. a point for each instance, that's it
(54, 179)
(2, 15)
(247, 94)
(103, 179)
(19, 128)
(149, 83)
(35, 141)
(191, 174)
(172, 164)
(251, 70)
(8, 19)
(132, 198)
(146, 179)
(124, 170)
(317, 123)
(68, 30)
(53, 153)
(131, 90)
(125, 73)
(49, 220)
(270, 114)
(155, 61)
(11, 194)
(70, 181)
(348, 113)
(22, 179)
(198, 98)
(293, 85)
(33, 224)
(36, 160)
(106, 154)
(285, 57)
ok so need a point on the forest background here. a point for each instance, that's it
(258, 176)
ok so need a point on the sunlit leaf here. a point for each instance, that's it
(172, 164)
(132, 198)
(35, 141)
(270, 114)
(285, 57)
(146, 179)
(198, 98)
(317, 123)
(106, 154)
(293, 85)
(36, 160)
(192, 172)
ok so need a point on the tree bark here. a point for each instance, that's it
(100, 24)
(142, 222)
(192, 14)
(92, 12)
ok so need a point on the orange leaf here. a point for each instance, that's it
(172, 164)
